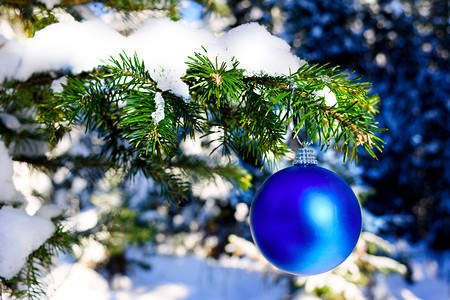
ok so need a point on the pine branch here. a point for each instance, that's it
(213, 83)
(245, 115)
(28, 283)
(197, 168)
(293, 99)
(127, 81)
(173, 186)
(252, 113)
(74, 162)
(349, 122)
(32, 103)
(234, 108)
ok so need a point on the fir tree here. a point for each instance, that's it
(135, 127)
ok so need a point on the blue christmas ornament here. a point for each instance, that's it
(305, 219)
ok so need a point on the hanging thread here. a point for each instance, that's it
(305, 155)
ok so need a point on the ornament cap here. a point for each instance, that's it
(305, 156)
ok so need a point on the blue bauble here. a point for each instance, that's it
(305, 220)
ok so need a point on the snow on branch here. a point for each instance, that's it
(247, 74)
(21, 234)
(163, 45)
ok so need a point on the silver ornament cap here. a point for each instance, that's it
(305, 156)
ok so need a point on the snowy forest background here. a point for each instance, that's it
(131, 243)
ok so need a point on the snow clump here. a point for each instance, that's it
(328, 95)
(159, 115)
(20, 235)
(163, 45)
(257, 51)
(65, 47)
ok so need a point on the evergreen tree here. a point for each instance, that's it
(134, 121)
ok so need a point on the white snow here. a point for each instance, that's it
(242, 246)
(68, 46)
(170, 277)
(241, 213)
(430, 272)
(8, 191)
(76, 282)
(212, 189)
(158, 115)
(50, 3)
(83, 220)
(336, 283)
(20, 235)
(57, 84)
(235, 277)
(192, 146)
(90, 252)
(6, 31)
(328, 95)
(382, 262)
(164, 46)
(50, 211)
(256, 49)
(29, 182)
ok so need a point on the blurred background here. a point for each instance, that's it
(136, 245)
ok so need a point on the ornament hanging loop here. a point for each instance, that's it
(305, 155)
